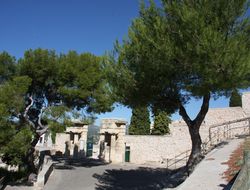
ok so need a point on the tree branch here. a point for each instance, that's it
(203, 111)
(25, 115)
(42, 131)
(183, 113)
(200, 116)
(41, 128)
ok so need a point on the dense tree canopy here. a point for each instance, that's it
(235, 99)
(180, 50)
(7, 66)
(140, 121)
(40, 92)
(15, 137)
(161, 124)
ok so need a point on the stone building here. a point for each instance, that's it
(73, 142)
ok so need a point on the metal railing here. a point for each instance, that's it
(217, 134)
(178, 159)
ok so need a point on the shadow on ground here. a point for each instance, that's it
(70, 164)
(142, 178)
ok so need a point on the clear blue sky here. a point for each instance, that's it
(81, 25)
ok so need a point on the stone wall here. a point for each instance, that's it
(154, 148)
(246, 102)
(61, 139)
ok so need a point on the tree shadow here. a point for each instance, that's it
(230, 183)
(63, 163)
(142, 178)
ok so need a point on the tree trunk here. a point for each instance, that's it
(29, 159)
(194, 131)
(196, 154)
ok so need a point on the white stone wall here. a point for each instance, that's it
(246, 102)
(61, 139)
(221, 115)
(154, 148)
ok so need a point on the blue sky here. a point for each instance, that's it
(81, 25)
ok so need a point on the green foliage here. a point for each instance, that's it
(7, 66)
(140, 122)
(77, 80)
(42, 91)
(161, 124)
(42, 67)
(56, 127)
(235, 99)
(181, 50)
(57, 120)
(17, 147)
(14, 142)
(12, 95)
(83, 82)
(13, 176)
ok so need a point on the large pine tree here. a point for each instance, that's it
(182, 50)
(140, 122)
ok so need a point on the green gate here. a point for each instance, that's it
(127, 154)
(89, 148)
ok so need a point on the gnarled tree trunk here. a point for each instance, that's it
(29, 158)
(39, 129)
(194, 131)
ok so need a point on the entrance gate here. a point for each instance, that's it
(127, 154)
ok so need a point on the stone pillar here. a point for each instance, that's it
(113, 148)
(83, 140)
(76, 138)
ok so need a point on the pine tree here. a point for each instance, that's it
(235, 99)
(140, 122)
(182, 50)
(161, 124)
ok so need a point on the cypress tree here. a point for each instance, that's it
(161, 124)
(140, 122)
(235, 99)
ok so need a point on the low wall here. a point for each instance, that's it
(44, 174)
(61, 138)
(153, 148)
(242, 181)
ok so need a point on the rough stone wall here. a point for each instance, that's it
(221, 115)
(154, 148)
(61, 139)
(145, 149)
(246, 102)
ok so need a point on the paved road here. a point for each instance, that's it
(209, 173)
(108, 177)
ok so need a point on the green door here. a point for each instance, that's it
(89, 148)
(127, 154)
